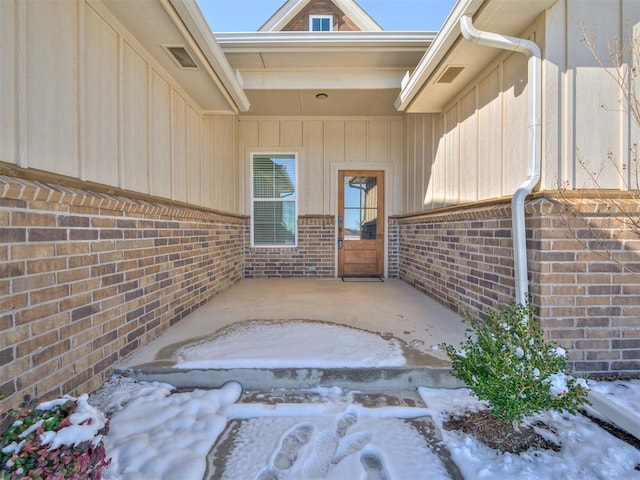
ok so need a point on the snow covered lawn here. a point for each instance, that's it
(156, 434)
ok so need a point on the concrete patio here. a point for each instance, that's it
(391, 309)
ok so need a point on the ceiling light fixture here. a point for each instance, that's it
(322, 96)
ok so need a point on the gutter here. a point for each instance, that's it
(532, 51)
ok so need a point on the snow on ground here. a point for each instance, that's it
(624, 393)
(156, 435)
(333, 445)
(588, 452)
(159, 435)
(287, 344)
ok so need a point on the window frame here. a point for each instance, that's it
(295, 198)
(321, 17)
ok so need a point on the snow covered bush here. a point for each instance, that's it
(61, 439)
(506, 361)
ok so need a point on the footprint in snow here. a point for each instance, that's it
(287, 452)
(373, 467)
(331, 447)
(328, 449)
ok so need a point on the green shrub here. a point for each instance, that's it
(37, 444)
(506, 361)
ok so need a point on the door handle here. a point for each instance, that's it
(339, 242)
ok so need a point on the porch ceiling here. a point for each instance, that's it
(422, 93)
(361, 72)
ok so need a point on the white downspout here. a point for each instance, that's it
(531, 50)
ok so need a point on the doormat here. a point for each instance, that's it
(363, 279)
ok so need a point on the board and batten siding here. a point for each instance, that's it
(585, 118)
(320, 143)
(82, 98)
(476, 148)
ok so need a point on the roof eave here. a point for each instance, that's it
(225, 77)
(440, 46)
(261, 41)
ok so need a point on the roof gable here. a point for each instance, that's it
(293, 15)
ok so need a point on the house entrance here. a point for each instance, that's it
(360, 223)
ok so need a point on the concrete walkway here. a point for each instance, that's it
(391, 309)
(258, 445)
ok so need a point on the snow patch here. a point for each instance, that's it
(292, 345)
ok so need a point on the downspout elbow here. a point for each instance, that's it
(495, 40)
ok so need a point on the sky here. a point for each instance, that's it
(391, 15)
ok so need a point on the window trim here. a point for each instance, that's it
(295, 199)
(322, 17)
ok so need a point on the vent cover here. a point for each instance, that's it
(181, 56)
(450, 74)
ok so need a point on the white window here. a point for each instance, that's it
(320, 23)
(275, 200)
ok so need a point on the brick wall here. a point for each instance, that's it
(459, 258)
(585, 302)
(85, 278)
(393, 245)
(588, 303)
(313, 257)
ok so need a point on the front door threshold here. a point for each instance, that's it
(364, 279)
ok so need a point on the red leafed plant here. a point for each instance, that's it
(26, 450)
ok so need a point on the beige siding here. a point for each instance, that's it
(468, 174)
(160, 136)
(582, 106)
(490, 133)
(8, 91)
(356, 141)
(194, 156)
(134, 174)
(100, 162)
(333, 147)
(321, 143)
(312, 168)
(482, 151)
(223, 159)
(52, 86)
(451, 166)
(179, 147)
(514, 122)
(477, 148)
(95, 105)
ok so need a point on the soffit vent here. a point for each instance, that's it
(450, 74)
(181, 56)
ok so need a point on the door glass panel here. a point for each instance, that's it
(352, 222)
(353, 194)
(369, 229)
(361, 207)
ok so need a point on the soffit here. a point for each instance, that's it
(338, 102)
(422, 93)
(152, 26)
(283, 71)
